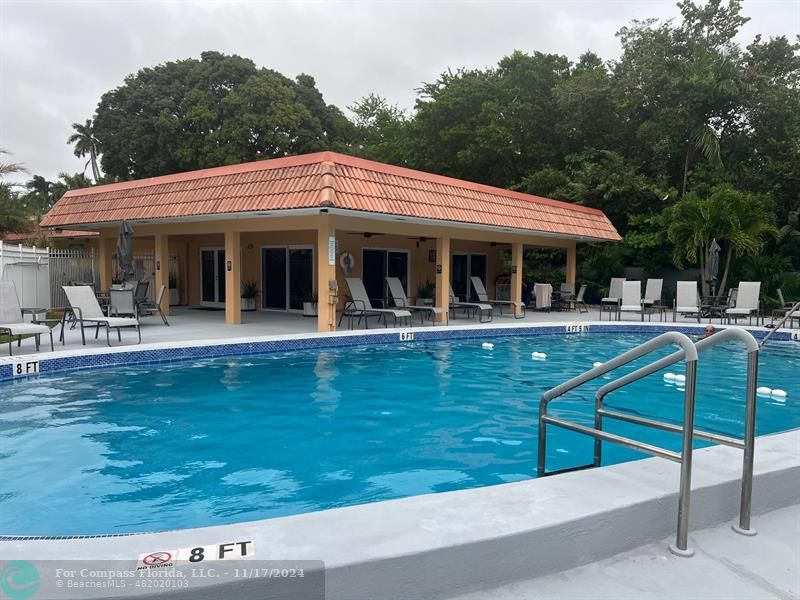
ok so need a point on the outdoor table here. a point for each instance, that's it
(713, 306)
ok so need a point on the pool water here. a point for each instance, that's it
(214, 441)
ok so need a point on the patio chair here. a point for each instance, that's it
(84, 305)
(360, 306)
(149, 307)
(543, 293)
(687, 300)
(567, 295)
(580, 304)
(122, 303)
(612, 302)
(747, 302)
(483, 310)
(480, 290)
(401, 300)
(651, 302)
(631, 299)
(12, 323)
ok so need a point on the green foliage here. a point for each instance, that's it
(218, 110)
(250, 289)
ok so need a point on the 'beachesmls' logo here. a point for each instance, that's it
(19, 579)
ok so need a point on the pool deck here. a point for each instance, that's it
(763, 567)
(192, 324)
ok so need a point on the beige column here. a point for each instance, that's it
(517, 273)
(233, 278)
(105, 252)
(327, 298)
(443, 278)
(161, 252)
(572, 262)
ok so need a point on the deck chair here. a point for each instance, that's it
(84, 305)
(580, 303)
(747, 302)
(12, 323)
(687, 300)
(401, 300)
(612, 302)
(483, 310)
(631, 298)
(543, 293)
(652, 292)
(567, 295)
(480, 290)
(148, 307)
(360, 306)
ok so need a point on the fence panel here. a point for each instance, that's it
(28, 268)
(68, 267)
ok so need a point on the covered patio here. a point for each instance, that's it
(294, 229)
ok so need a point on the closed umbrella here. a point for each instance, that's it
(125, 252)
(712, 264)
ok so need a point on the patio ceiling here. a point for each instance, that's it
(325, 180)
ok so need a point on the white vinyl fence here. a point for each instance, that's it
(28, 268)
(68, 267)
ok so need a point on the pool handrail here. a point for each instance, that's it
(689, 354)
(789, 315)
(747, 443)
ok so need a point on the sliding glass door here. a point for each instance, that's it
(380, 264)
(464, 267)
(212, 277)
(287, 277)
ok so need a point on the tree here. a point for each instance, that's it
(12, 213)
(217, 110)
(380, 130)
(86, 143)
(739, 222)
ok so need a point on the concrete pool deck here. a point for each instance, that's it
(765, 567)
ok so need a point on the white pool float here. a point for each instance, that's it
(680, 378)
(597, 364)
(764, 391)
(538, 355)
(487, 345)
(670, 376)
(779, 393)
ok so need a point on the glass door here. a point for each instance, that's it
(301, 277)
(287, 277)
(273, 278)
(460, 275)
(477, 268)
(380, 264)
(212, 277)
(397, 266)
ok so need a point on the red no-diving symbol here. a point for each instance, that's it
(157, 558)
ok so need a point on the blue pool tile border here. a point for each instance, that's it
(392, 336)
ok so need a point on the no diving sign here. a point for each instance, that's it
(196, 554)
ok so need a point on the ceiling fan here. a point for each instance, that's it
(366, 234)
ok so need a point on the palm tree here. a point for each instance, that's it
(86, 143)
(10, 168)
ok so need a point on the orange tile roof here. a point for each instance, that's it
(61, 233)
(309, 181)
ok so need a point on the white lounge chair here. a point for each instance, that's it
(360, 306)
(687, 300)
(84, 305)
(631, 298)
(484, 311)
(401, 300)
(12, 323)
(612, 302)
(148, 307)
(477, 285)
(652, 292)
(580, 303)
(747, 302)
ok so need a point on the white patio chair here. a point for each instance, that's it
(580, 303)
(401, 300)
(84, 305)
(360, 306)
(12, 323)
(631, 298)
(687, 300)
(612, 302)
(483, 310)
(747, 302)
(483, 297)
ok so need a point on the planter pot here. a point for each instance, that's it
(174, 297)
(309, 309)
(248, 304)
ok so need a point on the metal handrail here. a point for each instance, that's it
(747, 443)
(788, 315)
(689, 353)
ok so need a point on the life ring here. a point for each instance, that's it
(347, 262)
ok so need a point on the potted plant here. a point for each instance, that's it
(174, 293)
(309, 305)
(426, 292)
(249, 295)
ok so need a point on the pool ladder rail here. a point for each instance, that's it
(689, 353)
(789, 315)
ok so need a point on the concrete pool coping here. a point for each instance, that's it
(440, 545)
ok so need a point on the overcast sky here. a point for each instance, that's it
(59, 57)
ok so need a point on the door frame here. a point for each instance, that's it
(287, 248)
(386, 266)
(216, 303)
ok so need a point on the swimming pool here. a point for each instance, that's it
(214, 441)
